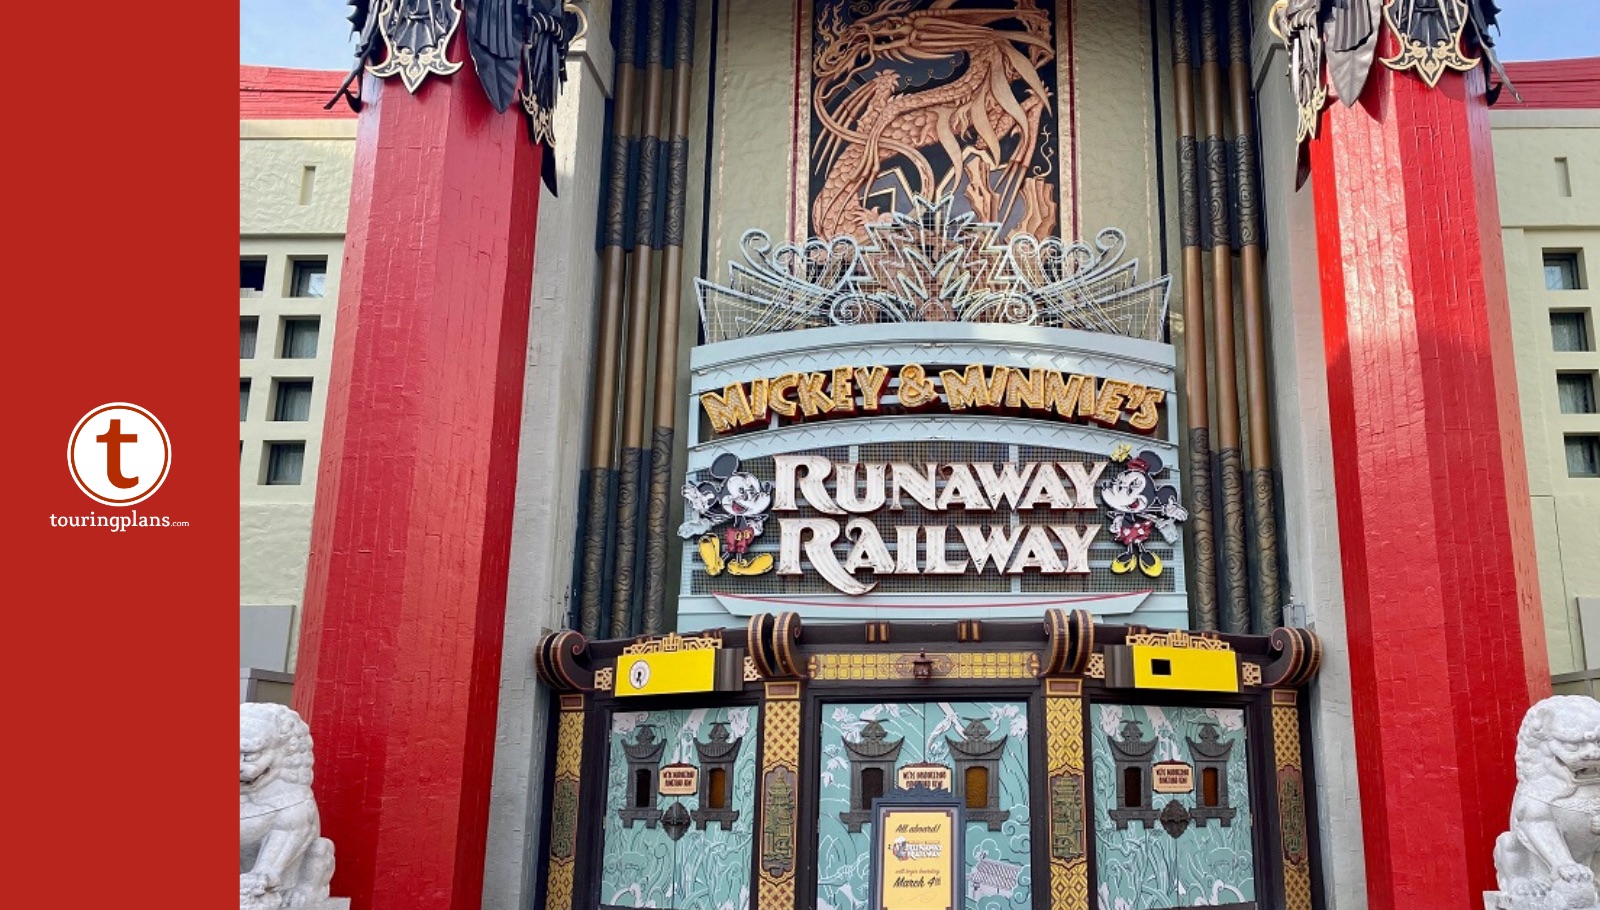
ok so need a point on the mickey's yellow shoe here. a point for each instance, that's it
(756, 566)
(1123, 564)
(711, 554)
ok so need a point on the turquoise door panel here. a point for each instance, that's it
(707, 866)
(1182, 848)
(864, 744)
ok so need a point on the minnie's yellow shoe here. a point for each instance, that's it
(711, 554)
(1150, 564)
(756, 566)
(1123, 564)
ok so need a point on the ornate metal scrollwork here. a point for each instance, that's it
(931, 265)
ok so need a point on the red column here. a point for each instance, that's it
(399, 661)
(1442, 605)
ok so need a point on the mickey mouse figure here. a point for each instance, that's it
(1138, 507)
(735, 498)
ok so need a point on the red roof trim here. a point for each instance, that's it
(277, 93)
(1553, 85)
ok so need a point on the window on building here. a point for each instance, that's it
(300, 338)
(1575, 391)
(1561, 271)
(285, 462)
(871, 786)
(642, 785)
(1583, 455)
(717, 789)
(1569, 330)
(252, 275)
(244, 403)
(1132, 788)
(309, 277)
(1209, 795)
(247, 337)
(975, 787)
(294, 400)
(1563, 178)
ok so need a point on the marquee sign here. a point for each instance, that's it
(933, 419)
(852, 390)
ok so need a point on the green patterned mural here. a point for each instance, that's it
(1198, 852)
(985, 744)
(707, 867)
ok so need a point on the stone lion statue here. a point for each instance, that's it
(1547, 860)
(283, 859)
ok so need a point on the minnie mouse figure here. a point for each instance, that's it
(735, 498)
(1138, 507)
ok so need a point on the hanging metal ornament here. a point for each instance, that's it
(518, 48)
(1351, 37)
(1429, 32)
(494, 39)
(416, 36)
(551, 28)
(1295, 24)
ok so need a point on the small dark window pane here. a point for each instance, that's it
(244, 401)
(976, 784)
(310, 278)
(252, 274)
(247, 337)
(1583, 456)
(1569, 331)
(642, 785)
(717, 789)
(871, 786)
(300, 338)
(1561, 271)
(1132, 788)
(294, 400)
(1575, 391)
(1208, 788)
(285, 461)
(1160, 666)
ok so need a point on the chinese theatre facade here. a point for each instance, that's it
(972, 453)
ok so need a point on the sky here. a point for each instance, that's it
(313, 34)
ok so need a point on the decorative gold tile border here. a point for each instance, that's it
(780, 767)
(1177, 638)
(901, 665)
(564, 803)
(1097, 667)
(1251, 673)
(1291, 805)
(604, 678)
(672, 641)
(1069, 863)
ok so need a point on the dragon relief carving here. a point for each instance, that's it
(912, 98)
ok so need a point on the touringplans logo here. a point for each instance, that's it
(119, 455)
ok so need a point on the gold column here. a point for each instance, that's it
(1290, 785)
(1069, 864)
(780, 795)
(564, 803)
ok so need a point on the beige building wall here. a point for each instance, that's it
(294, 192)
(1547, 166)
